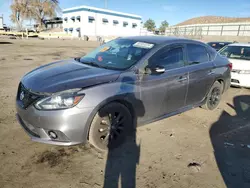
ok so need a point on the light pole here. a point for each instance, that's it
(106, 3)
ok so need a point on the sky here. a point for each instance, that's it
(174, 11)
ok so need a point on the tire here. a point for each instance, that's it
(213, 97)
(110, 126)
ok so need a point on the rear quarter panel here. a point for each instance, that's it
(222, 70)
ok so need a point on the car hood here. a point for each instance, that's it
(64, 75)
(239, 64)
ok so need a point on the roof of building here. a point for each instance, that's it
(213, 20)
(102, 11)
(155, 39)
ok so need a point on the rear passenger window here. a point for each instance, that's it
(168, 58)
(197, 54)
(212, 52)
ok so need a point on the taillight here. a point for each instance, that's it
(230, 65)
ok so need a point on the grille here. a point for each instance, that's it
(236, 71)
(25, 97)
(235, 81)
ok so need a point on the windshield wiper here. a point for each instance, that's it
(94, 64)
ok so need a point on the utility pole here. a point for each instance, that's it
(106, 4)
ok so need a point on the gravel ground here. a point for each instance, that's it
(195, 149)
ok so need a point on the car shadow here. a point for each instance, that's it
(122, 161)
(230, 137)
(3, 42)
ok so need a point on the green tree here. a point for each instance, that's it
(150, 25)
(164, 25)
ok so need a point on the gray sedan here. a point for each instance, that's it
(126, 82)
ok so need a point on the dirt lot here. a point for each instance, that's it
(195, 149)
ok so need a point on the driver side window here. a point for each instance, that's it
(168, 58)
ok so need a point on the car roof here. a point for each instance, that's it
(240, 44)
(157, 39)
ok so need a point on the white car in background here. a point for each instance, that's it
(239, 55)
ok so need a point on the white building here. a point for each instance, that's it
(91, 21)
(1, 22)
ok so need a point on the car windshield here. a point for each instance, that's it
(236, 52)
(118, 54)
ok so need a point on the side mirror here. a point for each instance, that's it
(155, 70)
(77, 59)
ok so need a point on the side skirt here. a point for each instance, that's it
(181, 110)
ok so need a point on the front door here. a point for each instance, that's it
(164, 89)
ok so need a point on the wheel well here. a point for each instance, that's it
(223, 84)
(128, 105)
(123, 102)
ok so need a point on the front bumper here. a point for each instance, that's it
(240, 80)
(70, 125)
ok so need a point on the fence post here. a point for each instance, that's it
(221, 30)
(238, 33)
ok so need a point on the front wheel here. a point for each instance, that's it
(110, 126)
(213, 97)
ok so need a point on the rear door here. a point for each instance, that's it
(201, 73)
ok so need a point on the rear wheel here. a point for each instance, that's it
(110, 126)
(214, 96)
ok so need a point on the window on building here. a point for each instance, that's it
(66, 30)
(134, 25)
(125, 24)
(66, 19)
(197, 54)
(70, 30)
(78, 18)
(91, 19)
(105, 21)
(115, 22)
(73, 18)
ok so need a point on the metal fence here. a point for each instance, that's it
(223, 29)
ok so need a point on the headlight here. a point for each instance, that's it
(244, 72)
(62, 100)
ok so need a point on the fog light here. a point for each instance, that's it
(52, 134)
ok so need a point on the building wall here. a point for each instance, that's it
(1, 22)
(97, 27)
(223, 29)
(53, 25)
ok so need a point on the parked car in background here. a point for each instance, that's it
(125, 82)
(218, 45)
(239, 55)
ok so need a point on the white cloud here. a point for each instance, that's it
(169, 8)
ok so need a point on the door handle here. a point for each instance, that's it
(182, 78)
